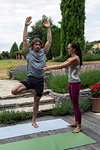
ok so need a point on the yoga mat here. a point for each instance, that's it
(24, 129)
(53, 142)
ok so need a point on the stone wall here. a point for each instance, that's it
(84, 94)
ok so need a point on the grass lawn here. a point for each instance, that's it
(5, 63)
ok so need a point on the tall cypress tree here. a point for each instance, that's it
(13, 49)
(72, 25)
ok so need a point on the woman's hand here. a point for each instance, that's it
(45, 68)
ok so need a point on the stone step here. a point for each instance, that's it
(24, 102)
(43, 109)
(10, 96)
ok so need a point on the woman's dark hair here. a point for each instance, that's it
(36, 40)
(78, 52)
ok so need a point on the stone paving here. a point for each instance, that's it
(22, 102)
(6, 86)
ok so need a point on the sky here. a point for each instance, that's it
(14, 12)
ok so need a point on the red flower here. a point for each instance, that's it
(95, 90)
(94, 86)
(90, 87)
(98, 86)
(96, 83)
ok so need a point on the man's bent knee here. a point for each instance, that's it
(17, 89)
(13, 92)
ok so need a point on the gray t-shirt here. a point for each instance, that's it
(74, 73)
(35, 61)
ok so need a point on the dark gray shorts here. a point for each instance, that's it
(34, 83)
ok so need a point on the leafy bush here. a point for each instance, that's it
(64, 106)
(97, 51)
(60, 59)
(59, 83)
(7, 117)
(89, 78)
(10, 68)
(91, 57)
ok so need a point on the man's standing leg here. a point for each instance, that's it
(35, 110)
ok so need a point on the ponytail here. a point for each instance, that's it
(78, 52)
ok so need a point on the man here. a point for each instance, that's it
(36, 59)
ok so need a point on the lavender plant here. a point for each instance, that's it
(64, 106)
(89, 75)
(20, 72)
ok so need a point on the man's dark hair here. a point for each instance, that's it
(36, 40)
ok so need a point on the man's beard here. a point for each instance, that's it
(37, 49)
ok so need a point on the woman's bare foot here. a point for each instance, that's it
(73, 124)
(77, 129)
(35, 125)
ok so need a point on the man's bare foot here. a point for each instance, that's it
(77, 129)
(35, 125)
(73, 124)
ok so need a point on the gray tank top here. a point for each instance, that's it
(35, 61)
(74, 73)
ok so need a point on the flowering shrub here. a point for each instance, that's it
(64, 106)
(20, 72)
(11, 66)
(95, 90)
(59, 82)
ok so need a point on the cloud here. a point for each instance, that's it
(91, 6)
(13, 14)
(93, 31)
(92, 23)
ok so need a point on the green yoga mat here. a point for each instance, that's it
(53, 142)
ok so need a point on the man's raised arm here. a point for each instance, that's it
(25, 42)
(49, 36)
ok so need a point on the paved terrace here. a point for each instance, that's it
(90, 123)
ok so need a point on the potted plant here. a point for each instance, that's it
(95, 93)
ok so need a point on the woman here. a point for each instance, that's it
(74, 84)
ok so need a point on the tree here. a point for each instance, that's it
(13, 49)
(72, 25)
(88, 46)
(38, 30)
(5, 55)
(21, 50)
(55, 46)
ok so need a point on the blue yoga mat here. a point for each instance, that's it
(25, 129)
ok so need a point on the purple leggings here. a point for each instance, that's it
(74, 89)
